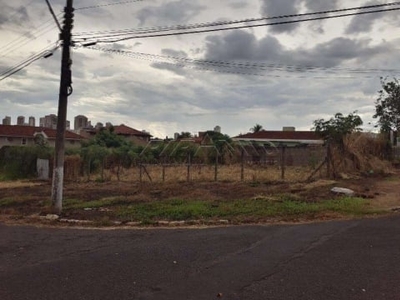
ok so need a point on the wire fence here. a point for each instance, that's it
(396, 152)
(240, 162)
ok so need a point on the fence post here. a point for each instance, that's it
(89, 169)
(102, 168)
(188, 167)
(163, 170)
(242, 166)
(328, 159)
(140, 171)
(283, 148)
(216, 168)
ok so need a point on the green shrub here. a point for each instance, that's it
(19, 162)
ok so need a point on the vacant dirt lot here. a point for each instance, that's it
(33, 197)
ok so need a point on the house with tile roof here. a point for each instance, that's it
(131, 133)
(136, 136)
(16, 135)
(266, 146)
(290, 138)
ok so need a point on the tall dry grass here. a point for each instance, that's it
(362, 153)
(198, 173)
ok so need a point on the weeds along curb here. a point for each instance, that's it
(134, 224)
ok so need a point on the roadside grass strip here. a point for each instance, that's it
(250, 210)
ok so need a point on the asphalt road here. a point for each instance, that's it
(335, 260)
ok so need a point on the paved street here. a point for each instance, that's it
(335, 260)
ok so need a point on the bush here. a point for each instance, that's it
(19, 162)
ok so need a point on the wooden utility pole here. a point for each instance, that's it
(65, 91)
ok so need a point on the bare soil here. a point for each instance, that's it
(33, 197)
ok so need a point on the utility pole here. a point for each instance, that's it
(65, 91)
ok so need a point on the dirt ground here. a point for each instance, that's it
(33, 197)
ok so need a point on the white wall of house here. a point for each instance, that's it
(15, 141)
(19, 141)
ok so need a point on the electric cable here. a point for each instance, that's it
(226, 67)
(242, 64)
(115, 40)
(21, 41)
(95, 34)
(108, 4)
(25, 63)
(190, 26)
(30, 60)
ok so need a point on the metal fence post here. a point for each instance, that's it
(140, 172)
(163, 171)
(188, 167)
(216, 168)
(328, 159)
(283, 161)
(242, 166)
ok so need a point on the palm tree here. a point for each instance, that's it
(256, 128)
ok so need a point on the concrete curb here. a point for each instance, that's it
(51, 217)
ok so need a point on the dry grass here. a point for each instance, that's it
(362, 154)
(203, 173)
(18, 184)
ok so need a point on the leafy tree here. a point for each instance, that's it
(40, 140)
(93, 156)
(184, 135)
(122, 157)
(107, 138)
(256, 128)
(337, 127)
(17, 162)
(181, 151)
(387, 106)
(222, 143)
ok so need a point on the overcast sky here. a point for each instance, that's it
(163, 96)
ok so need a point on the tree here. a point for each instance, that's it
(107, 146)
(256, 128)
(222, 143)
(93, 156)
(387, 106)
(184, 135)
(108, 138)
(337, 127)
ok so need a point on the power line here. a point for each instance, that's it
(116, 39)
(25, 63)
(109, 4)
(20, 41)
(220, 23)
(244, 68)
(242, 64)
(54, 15)
(216, 64)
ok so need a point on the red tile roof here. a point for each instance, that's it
(125, 130)
(29, 131)
(280, 135)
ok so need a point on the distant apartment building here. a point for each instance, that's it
(21, 120)
(81, 122)
(99, 125)
(50, 121)
(32, 121)
(7, 120)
